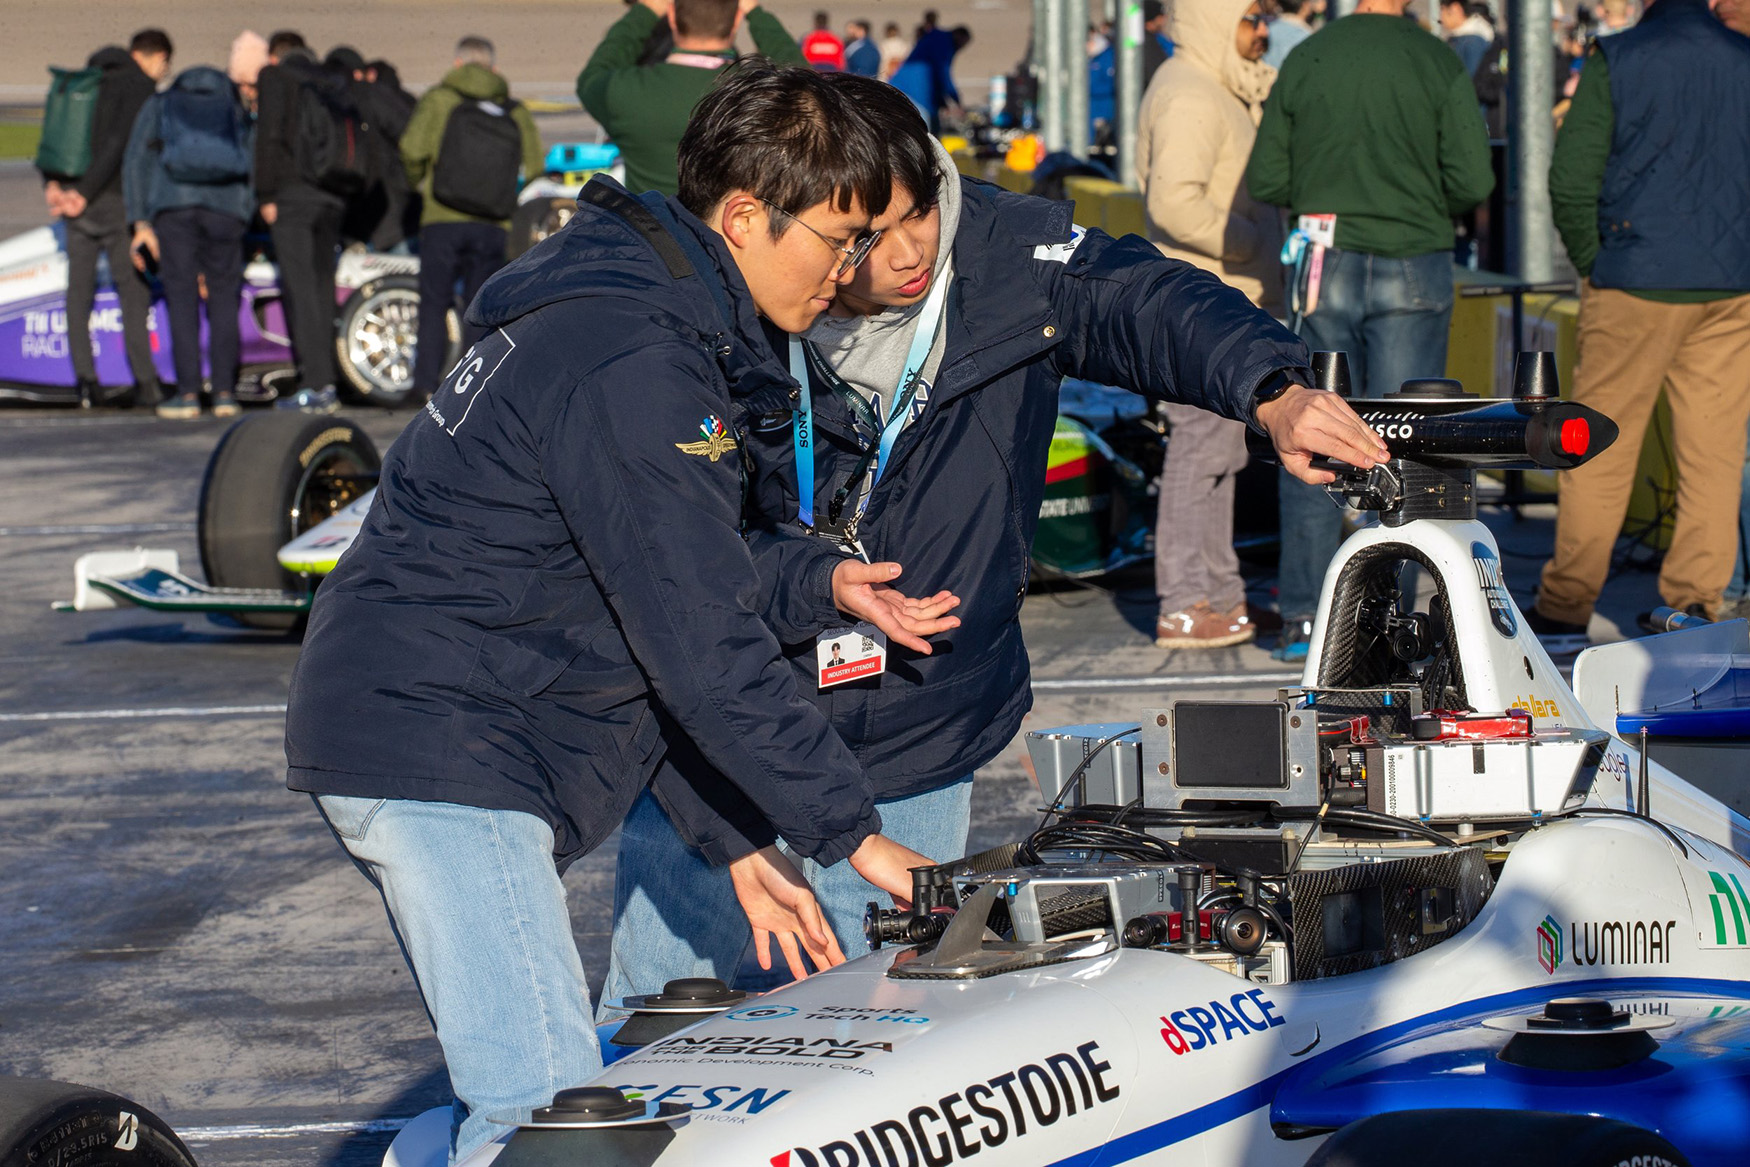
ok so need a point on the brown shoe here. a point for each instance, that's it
(1200, 626)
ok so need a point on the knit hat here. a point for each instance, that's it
(248, 57)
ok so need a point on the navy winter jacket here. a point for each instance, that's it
(1031, 303)
(150, 188)
(1672, 211)
(551, 586)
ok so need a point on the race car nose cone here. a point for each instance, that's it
(588, 1103)
(1576, 437)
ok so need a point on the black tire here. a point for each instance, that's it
(1501, 1138)
(534, 221)
(273, 477)
(45, 1122)
(376, 336)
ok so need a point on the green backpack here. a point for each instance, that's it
(65, 149)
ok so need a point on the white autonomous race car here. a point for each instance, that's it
(1431, 906)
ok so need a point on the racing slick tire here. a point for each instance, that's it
(273, 477)
(376, 336)
(45, 1122)
(1501, 1138)
(535, 220)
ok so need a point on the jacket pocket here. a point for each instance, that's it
(519, 667)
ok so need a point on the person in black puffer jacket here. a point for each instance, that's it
(96, 220)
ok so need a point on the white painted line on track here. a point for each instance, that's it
(145, 714)
(214, 1134)
(1162, 681)
(98, 529)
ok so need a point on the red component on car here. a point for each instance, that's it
(1514, 723)
(1576, 436)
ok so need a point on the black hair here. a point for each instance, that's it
(151, 42)
(911, 152)
(705, 18)
(283, 41)
(346, 59)
(787, 135)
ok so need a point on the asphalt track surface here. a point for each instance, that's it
(180, 928)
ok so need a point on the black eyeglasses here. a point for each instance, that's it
(849, 256)
(1255, 20)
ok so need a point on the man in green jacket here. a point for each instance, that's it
(1373, 139)
(466, 149)
(644, 107)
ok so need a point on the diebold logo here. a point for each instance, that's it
(983, 1115)
(1730, 897)
(1189, 1030)
(1549, 945)
(773, 1048)
(1494, 586)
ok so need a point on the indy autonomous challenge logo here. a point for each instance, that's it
(983, 1115)
(1494, 585)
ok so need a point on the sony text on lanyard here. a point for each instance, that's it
(922, 341)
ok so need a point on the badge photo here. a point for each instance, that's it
(850, 654)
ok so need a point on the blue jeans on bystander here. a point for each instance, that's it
(478, 909)
(1391, 316)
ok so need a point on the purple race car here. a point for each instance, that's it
(378, 319)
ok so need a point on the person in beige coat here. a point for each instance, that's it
(1199, 117)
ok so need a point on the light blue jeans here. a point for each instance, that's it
(675, 915)
(1391, 316)
(479, 912)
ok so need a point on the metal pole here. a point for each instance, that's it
(1531, 139)
(1041, 22)
(1075, 44)
(1129, 33)
(1051, 90)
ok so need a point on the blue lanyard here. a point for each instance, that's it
(922, 341)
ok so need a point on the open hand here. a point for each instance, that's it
(888, 865)
(778, 902)
(863, 591)
(1306, 423)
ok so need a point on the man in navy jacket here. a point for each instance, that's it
(1029, 299)
(551, 589)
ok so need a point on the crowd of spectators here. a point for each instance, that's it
(313, 153)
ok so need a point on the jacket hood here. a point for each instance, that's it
(1203, 33)
(477, 82)
(601, 252)
(112, 57)
(202, 79)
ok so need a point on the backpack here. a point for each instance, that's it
(65, 149)
(478, 160)
(205, 135)
(328, 141)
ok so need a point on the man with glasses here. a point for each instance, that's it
(926, 404)
(552, 590)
